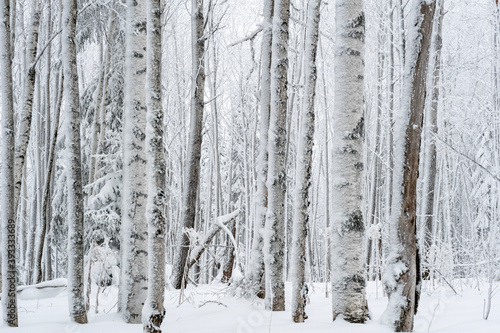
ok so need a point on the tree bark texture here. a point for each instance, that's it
(195, 140)
(348, 273)
(134, 271)
(8, 212)
(304, 168)
(153, 311)
(274, 237)
(75, 194)
(401, 274)
(24, 130)
(256, 268)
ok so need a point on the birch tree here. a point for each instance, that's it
(8, 212)
(75, 194)
(134, 277)
(153, 311)
(431, 130)
(256, 268)
(402, 271)
(24, 130)
(194, 143)
(348, 275)
(304, 167)
(274, 237)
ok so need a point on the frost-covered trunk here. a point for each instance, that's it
(401, 273)
(133, 282)
(431, 130)
(274, 234)
(100, 92)
(76, 299)
(256, 268)
(45, 228)
(348, 273)
(8, 212)
(29, 88)
(303, 176)
(153, 311)
(194, 144)
(24, 130)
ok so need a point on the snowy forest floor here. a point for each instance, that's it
(210, 308)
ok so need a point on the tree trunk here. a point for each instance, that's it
(274, 237)
(195, 139)
(431, 130)
(303, 176)
(256, 267)
(8, 212)
(401, 274)
(348, 274)
(134, 279)
(23, 133)
(75, 194)
(44, 230)
(153, 311)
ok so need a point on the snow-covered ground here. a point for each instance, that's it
(210, 308)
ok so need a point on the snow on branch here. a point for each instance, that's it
(220, 223)
(250, 36)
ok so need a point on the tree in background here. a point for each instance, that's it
(194, 144)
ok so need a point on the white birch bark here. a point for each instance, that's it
(348, 274)
(153, 311)
(195, 139)
(76, 299)
(303, 176)
(133, 287)
(28, 109)
(8, 212)
(401, 274)
(24, 130)
(274, 236)
(256, 267)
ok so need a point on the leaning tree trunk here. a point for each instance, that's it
(8, 212)
(348, 273)
(274, 237)
(133, 287)
(256, 267)
(24, 130)
(153, 311)
(401, 273)
(303, 169)
(77, 309)
(195, 139)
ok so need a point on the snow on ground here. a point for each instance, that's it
(210, 308)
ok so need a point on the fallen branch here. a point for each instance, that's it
(215, 302)
(220, 222)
